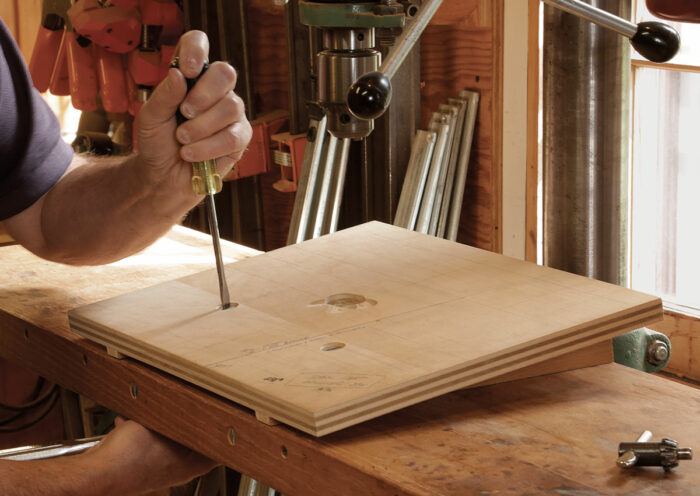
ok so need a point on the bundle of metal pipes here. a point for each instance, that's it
(433, 190)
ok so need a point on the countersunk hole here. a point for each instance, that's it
(134, 390)
(360, 37)
(26, 334)
(84, 359)
(231, 436)
(344, 300)
(284, 451)
(412, 11)
(332, 346)
(345, 118)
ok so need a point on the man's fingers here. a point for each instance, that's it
(164, 101)
(227, 110)
(192, 51)
(214, 84)
(230, 141)
(225, 166)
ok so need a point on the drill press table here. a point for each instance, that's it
(554, 434)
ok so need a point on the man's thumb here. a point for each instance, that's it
(164, 101)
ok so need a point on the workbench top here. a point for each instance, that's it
(555, 434)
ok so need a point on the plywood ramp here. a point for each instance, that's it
(347, 327)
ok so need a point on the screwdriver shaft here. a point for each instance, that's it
(207, 181)
(214, 230)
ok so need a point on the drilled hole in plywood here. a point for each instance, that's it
(332, 346)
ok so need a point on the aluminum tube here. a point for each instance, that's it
(451, 112)
(461, 104)
(460, 181)
(586, 145)
(414, 181)
(438, 123)
(325, 186)
(303, 200)
(601, 17)
(408, 37)
(341, 167)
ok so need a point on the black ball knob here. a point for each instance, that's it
(656, 41)
(369, 96)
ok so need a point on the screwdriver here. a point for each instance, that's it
(206, 181)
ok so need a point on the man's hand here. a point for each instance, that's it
(102, 210)
(217, 126)
(151, 461)
(130, 460)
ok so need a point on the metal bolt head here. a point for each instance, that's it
(657, 352)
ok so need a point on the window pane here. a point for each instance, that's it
(666, 186)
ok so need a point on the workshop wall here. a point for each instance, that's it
(270, 85)
(461, 49)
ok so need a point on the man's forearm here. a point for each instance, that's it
(58, 477)
(104, 209)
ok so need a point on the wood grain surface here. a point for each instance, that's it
(555, 434)
(337, 330)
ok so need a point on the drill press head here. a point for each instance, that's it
(347, 54)
(350, 51)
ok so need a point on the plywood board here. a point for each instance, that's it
(344, 328)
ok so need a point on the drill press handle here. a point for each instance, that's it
(654, 41)
(370, 95)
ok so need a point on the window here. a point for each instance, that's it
(666, 173)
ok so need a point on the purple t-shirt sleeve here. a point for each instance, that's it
(32, 154)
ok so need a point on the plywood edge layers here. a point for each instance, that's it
(196, 374)
(458, 377)
(574, 338)
(387, 400)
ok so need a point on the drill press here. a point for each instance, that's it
(351, 87)
(353, 83)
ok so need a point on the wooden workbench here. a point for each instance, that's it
(556, 434)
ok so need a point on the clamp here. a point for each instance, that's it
(642, 453)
